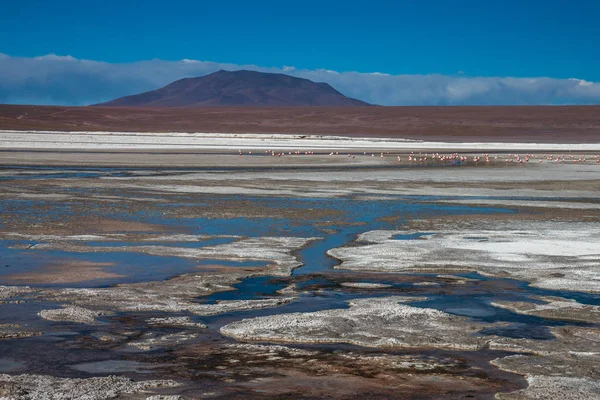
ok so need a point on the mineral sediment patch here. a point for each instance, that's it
(6, 292)
(151, 341)
(70, 272)
(555, 388)
(221, 307)
(38, 387)
(365, 285)
(185, 322)
(372, 322)
(72, 314)
(563, 368)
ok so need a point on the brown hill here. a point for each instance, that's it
(239, 88)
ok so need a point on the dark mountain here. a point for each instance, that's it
(239, 88)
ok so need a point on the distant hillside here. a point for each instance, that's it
(239, 88)
(528, 124)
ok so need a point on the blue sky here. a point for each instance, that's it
(533, 38)
(482, 38)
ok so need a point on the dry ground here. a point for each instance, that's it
(523, 124)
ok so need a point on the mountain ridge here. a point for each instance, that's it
(239, 88)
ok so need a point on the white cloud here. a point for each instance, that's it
(581, 82)
(56, 58)
(188, 61)
(55, 79)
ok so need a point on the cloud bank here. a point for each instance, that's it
(65, 80)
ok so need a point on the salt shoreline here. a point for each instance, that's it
(31, 140)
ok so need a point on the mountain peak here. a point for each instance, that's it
(239, 88)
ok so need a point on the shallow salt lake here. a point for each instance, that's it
(205, 221)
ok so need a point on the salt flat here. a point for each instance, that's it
(230, 141)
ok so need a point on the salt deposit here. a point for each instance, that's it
(44, 387)
(365, 285)
(372, 322)
(223, 141)
(555, 388)
(555, 308)
(562, 256)
(72, 314)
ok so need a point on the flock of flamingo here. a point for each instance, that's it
(456, 158)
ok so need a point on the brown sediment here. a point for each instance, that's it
(107, 225)
(82, 224)
(65, 272)
(237, 208)
(276, 371)
(74, 224)
(288, 382)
